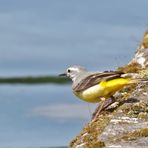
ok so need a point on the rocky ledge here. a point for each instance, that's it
(124, 123)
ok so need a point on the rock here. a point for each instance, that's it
(141, 56)
(126, 123)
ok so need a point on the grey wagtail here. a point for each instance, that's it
(96, 86)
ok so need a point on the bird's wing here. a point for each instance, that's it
(96, 78)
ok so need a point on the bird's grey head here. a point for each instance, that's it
(73, 72)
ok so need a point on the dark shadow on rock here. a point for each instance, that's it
(108, 109)
(131, 100)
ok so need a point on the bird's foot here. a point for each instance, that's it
(104, 104)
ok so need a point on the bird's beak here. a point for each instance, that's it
(63, 75)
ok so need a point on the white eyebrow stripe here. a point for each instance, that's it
(73, 69)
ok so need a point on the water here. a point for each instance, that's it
(44, 37)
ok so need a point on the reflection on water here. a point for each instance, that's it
(34, 80)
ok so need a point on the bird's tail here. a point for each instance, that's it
(134, 78)
(138, 80)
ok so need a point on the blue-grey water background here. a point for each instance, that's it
(44, 38)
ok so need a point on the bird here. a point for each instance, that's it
(94, 87)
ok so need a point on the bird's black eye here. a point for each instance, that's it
(68, 70)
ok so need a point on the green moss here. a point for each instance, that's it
(95, 145)
(143, 115)
(144, 73)
(89, 134)
(130, 68)
(137, 110)
(133, 135)
(145, 40)
(99, 144)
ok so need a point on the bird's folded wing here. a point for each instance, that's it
(96, 78)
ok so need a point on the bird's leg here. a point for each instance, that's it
(108, 102)
(99, 109)
(102, 106)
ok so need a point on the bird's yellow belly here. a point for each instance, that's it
(92, 94)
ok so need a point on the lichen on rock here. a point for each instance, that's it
(125, 125)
